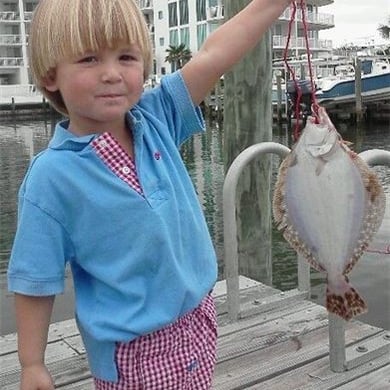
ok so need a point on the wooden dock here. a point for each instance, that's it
(280, 343)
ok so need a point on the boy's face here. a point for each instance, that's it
(98, 88)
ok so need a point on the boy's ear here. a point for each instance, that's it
(49, 81)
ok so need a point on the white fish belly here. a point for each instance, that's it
(326, 208)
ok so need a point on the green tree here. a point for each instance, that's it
(177, 56)
(384, 29)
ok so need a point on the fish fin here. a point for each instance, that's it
(278, 205)
(344, 300)
(293, 160)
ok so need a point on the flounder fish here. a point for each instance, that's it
(328, 204)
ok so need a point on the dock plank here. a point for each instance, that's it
(378, 379)
(268, 333)
(274, 360)
(280, 342)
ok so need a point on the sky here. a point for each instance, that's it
(356, 21)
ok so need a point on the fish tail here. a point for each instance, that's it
(343, 300)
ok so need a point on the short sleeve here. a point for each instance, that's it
(39, 254)
(171, 103)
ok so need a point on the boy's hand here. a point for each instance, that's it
(36, 377)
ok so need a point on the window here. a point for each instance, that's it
(185, 36)
(173, 38)
(183, 8)
(29, 6)
(201, 34)
(162, 41)
(278, 30)
(160, 15)
(172, 9)
(201, 10)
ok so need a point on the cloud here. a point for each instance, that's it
(356, 21)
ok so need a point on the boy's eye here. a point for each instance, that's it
(128, 57)
(88, 59)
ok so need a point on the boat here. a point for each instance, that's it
(340, 87)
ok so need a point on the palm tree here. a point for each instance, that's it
(384, 29)
(178, 55)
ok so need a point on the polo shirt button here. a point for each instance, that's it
(126, 170)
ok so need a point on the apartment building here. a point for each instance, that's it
(171, 22)
(15, 16)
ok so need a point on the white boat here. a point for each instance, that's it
(340, 87)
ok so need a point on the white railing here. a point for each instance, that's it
(9, 15)
(10, 39)
(300, 43)
(19, 90)
(11, 62)
(145, 4)
(28, 16)
(311, 17)
(216, 12)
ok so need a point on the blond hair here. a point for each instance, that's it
(66, 28)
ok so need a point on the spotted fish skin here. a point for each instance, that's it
(328, 204)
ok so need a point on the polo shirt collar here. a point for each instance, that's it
(63, 139)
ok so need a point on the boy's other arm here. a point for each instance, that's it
(32, 319)
(228, 44)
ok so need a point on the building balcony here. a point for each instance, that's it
(299, 43)
(317, 21)
(321, 3)
(215, 13)
(146, 6)
(11, 62)
(11, 40)
(9, 16)
(28, 16)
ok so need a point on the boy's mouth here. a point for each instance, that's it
(110, 95)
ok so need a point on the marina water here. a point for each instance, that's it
(203, 156)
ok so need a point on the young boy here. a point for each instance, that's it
(111, 196)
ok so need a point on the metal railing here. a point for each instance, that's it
(311, 17)
(337, 350)
(145, 4)
(10, 39)
(11, 62)
(18, 90)
(280, 42)
(9, 16)
(216, 12)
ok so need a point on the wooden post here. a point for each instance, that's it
(13, 106)
(247, 121)
(358, 90)
(279, 97)
(337, 356)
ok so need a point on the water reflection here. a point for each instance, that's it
(203, 155)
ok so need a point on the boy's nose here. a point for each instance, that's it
(111, 74)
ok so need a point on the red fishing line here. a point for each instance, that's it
(298, 89)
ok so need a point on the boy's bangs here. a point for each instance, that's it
(101, 26)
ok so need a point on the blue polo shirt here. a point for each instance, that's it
(138, 262)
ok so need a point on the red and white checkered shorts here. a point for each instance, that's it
(180, 356)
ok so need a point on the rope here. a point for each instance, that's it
(315, 105)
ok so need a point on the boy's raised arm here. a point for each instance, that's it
(228, 44)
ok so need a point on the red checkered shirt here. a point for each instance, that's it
(117, 159)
